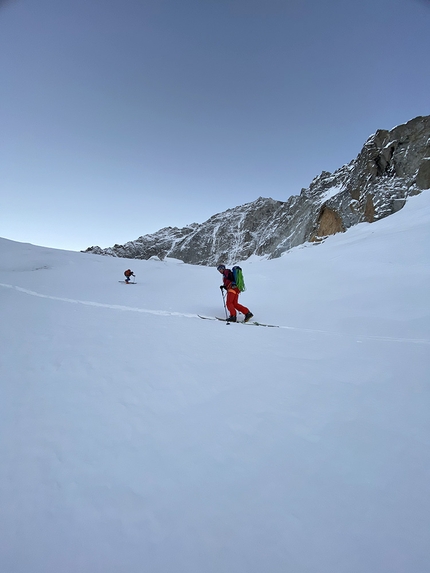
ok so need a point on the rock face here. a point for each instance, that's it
(391, 166)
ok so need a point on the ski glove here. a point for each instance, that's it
(222, 287)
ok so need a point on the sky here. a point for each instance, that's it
(120, 118)
(135, 437)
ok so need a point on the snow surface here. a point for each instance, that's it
(135, 437)
(331, 193)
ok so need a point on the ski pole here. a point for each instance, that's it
(223, 300)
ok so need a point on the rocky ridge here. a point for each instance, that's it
(391, 166)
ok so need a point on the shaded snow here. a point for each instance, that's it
(136, 437)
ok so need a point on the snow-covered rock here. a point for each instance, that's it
(391, 166)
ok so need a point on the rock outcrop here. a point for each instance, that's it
(391, 166)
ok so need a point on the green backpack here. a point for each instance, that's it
(238, 278)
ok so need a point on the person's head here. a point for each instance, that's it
(220, 268)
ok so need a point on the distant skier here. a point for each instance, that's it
(128, 273)
(233, 292)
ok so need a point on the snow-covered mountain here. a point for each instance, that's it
(391, 166)
(135, 437)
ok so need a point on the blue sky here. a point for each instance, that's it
(119, 118)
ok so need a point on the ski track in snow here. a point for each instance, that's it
(189, 315)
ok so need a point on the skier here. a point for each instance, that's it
(232, 295)
(128, 273)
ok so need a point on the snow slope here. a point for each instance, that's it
(135, 437)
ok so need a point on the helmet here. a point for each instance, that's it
(220, 267)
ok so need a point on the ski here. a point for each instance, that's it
(251, 322)
(124, 282)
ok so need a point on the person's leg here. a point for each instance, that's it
(240, 307)
(231, 302)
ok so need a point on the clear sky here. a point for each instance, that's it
(118, 118)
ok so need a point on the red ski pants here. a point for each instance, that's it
(233, 302)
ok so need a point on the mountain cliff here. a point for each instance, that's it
(391, 166)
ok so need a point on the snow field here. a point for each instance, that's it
(136, 440)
